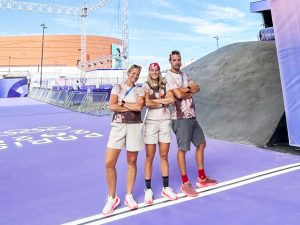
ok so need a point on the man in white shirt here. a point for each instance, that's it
(185, 124)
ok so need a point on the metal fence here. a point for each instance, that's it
(85, 101)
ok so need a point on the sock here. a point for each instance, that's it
(184, 178)
(148, 184)
(165, 181)
(201, 174)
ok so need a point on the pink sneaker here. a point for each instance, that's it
(206, 182)
(110, 205)
(148, 197)
(168, 193)
(188, 189)
(130, 202)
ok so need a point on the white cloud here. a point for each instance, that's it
(147, 34)
(220, 12)
(147, 58)
(65, 22)
(200, 25)
(5, 33)
(8, 33)
(144, 7)
(164, 4)
(178, 18)
(213, 29)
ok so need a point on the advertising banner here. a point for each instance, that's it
(13, 87)
(116, 56)
(286, 20)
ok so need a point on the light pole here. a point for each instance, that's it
(42, 56)
(9, 58)
(217, 38)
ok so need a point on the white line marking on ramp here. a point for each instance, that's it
(162, 202)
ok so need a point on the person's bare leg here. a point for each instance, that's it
(199, 155)
(131, 170)
(181, 162)
(163, 152)
(111, 159)
(150, 153)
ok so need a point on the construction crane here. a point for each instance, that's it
(83, 13)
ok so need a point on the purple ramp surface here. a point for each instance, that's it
(53, 170)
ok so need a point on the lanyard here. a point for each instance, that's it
(182, 79)
(128, 91)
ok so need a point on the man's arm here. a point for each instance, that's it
(180, 94)
(188, 92)
(194, 87)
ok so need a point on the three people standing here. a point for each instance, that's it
(126, 101)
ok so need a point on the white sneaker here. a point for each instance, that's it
(130, 202)
(110, 205)
(148, 197)
(168, 193)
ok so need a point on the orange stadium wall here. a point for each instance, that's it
(59, 50)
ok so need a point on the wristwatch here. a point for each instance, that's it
(123, 102)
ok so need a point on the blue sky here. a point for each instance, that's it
(155, 26)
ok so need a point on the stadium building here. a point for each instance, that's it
(57, 62)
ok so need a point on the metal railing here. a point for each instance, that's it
(95, 103)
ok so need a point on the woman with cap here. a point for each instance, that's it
(126, 101)
(157, 130)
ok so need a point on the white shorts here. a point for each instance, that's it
(126, 136)
(156, 131)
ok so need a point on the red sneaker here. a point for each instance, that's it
(206, 182)
(188, 189)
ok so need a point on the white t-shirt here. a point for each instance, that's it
(130, 95)
(182, 108)
(162, 113)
